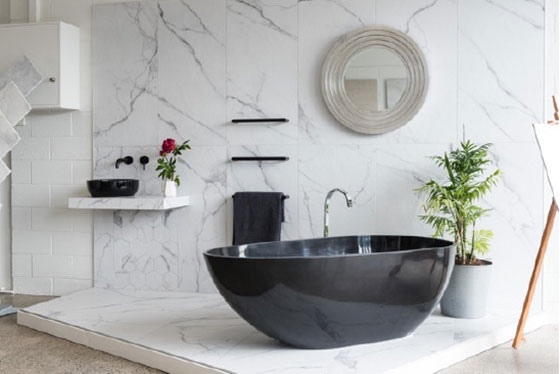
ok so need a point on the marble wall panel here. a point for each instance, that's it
(500, 69)
(186, 68)
(192, 71)
(517, 221)
(401, 169)
(262, 64)
(125, 70)
(324, 167)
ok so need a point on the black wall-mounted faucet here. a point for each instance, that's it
(127, 160)
(144, 160)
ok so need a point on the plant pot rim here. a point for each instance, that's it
(485, 263)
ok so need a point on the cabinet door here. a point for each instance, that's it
(40, 42)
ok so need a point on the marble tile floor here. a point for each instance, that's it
(29, 351)
(198, 333)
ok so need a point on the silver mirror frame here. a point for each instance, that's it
(334, 93)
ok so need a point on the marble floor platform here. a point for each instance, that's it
(199, 333)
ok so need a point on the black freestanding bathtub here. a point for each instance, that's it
(334, 292)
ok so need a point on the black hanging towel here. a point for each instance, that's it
(257, 217)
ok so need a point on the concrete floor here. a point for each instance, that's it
(537, 355)
(26, 351)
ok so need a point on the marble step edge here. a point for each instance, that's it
(177, 365)
(118, 347)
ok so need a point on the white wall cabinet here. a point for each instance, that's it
(54, 49)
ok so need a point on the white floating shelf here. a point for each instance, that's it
(129, 203)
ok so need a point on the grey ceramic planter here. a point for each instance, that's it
(467, 291)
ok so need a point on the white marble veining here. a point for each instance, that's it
(517, 221)
(191, 57)
(129, 203)
(25, 76)
(172, 84)
(186, 68)
(137, 249)
(204, 225)
(500, 82)
(261, 54)
(199, 328)
(13, 104)
(183, 235)
(104, 167)
(124, 51)
(403, 168)
(174, 78)
(322, 168)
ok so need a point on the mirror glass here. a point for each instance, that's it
(375, 79)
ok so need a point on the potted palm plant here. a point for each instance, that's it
(452, 209)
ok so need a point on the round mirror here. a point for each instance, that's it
(374, 80)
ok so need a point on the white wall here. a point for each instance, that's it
(481, 76)
(264, 60)
(5, 211)
(551, 290)
(52, 245)
(10, 11)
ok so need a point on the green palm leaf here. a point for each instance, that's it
(451, 206)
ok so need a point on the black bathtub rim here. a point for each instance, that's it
(445, 244)
(105, 180)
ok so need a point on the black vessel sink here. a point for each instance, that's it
(334, 292)
(112, 187)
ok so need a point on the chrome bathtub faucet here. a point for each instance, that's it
(349, 204)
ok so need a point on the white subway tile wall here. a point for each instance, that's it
(52, 245)
(33, 285)
(22, 172)
(21, 265)
(32, 242)
(54, 124)
(21, 218)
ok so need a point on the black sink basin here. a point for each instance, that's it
(112, 187)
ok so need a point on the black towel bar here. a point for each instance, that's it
(261, 158)
(260, 120)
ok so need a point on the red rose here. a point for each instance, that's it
(168, 145)
(161, 153)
